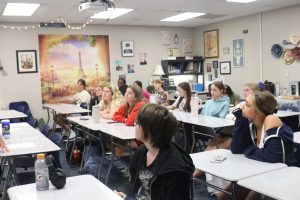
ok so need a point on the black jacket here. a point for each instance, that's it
(171, 177)
(278, 145)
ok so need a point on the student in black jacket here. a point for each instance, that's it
(159, 169)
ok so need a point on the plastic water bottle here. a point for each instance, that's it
(5, 128)
(41, 173)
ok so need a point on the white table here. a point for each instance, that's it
(279, 184)
(84, 187)
(109, 127)
(283, 113)
(234, 168)
(207, 126)
(63, 108)
(24, 139)
(202, 120)
(118, 130)
(11, 114)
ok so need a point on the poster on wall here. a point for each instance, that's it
(165, 38)
(143, 58)
(119, 66)
(187, 45)
(130, 68)
(238, 53)
(64, 59)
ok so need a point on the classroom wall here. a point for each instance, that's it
(16, 87)
(269, 28)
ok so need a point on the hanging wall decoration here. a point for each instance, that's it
(238, 52)
(187, 46)
(165, 38)
(211, 44)
(289, 54)
(143, 58)
(66, 58)
(26, 61)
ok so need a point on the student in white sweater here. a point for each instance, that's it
(82, 96)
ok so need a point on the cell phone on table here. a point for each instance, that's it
(84, 118)
(218, 159)
(113, 122)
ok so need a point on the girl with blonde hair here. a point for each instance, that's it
(112, 100)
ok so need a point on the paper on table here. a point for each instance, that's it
(21, 145)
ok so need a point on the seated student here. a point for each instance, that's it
(183, 102)
(218, 106)
(82, 96)
(122, 85)
(261, 135)
(97, 97)
(249, 88)
(128, 111)
(111, 101)
(146, 94)
(159, 169)
(234, 98)
(161, 94)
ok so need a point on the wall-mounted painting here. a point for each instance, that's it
(66, 58)
(211, 44)
(26, 61)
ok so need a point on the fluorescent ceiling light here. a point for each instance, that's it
(241, 1)
(182, 17)
(111, 13)
(20, 9)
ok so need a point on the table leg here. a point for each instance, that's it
(111, 159)
(233, 190)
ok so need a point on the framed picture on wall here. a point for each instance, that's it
(26, 61)
(215, 64)
(127, 48)
(211, 44)
(225, 67)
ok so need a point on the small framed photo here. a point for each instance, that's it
(26, 61)
(127, 48)
(173, 52)
(225, 67)
(215, 64)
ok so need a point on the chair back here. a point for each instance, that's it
(45, 130)
(22, 106)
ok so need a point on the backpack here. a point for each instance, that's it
(92, 165)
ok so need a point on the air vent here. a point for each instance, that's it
(52, 25)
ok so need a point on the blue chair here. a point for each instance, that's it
(46, 130)
(22, 106)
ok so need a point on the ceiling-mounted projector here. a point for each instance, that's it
(96, 5)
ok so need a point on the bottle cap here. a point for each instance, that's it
(40, 156)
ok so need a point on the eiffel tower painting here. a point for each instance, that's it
(81, 74)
